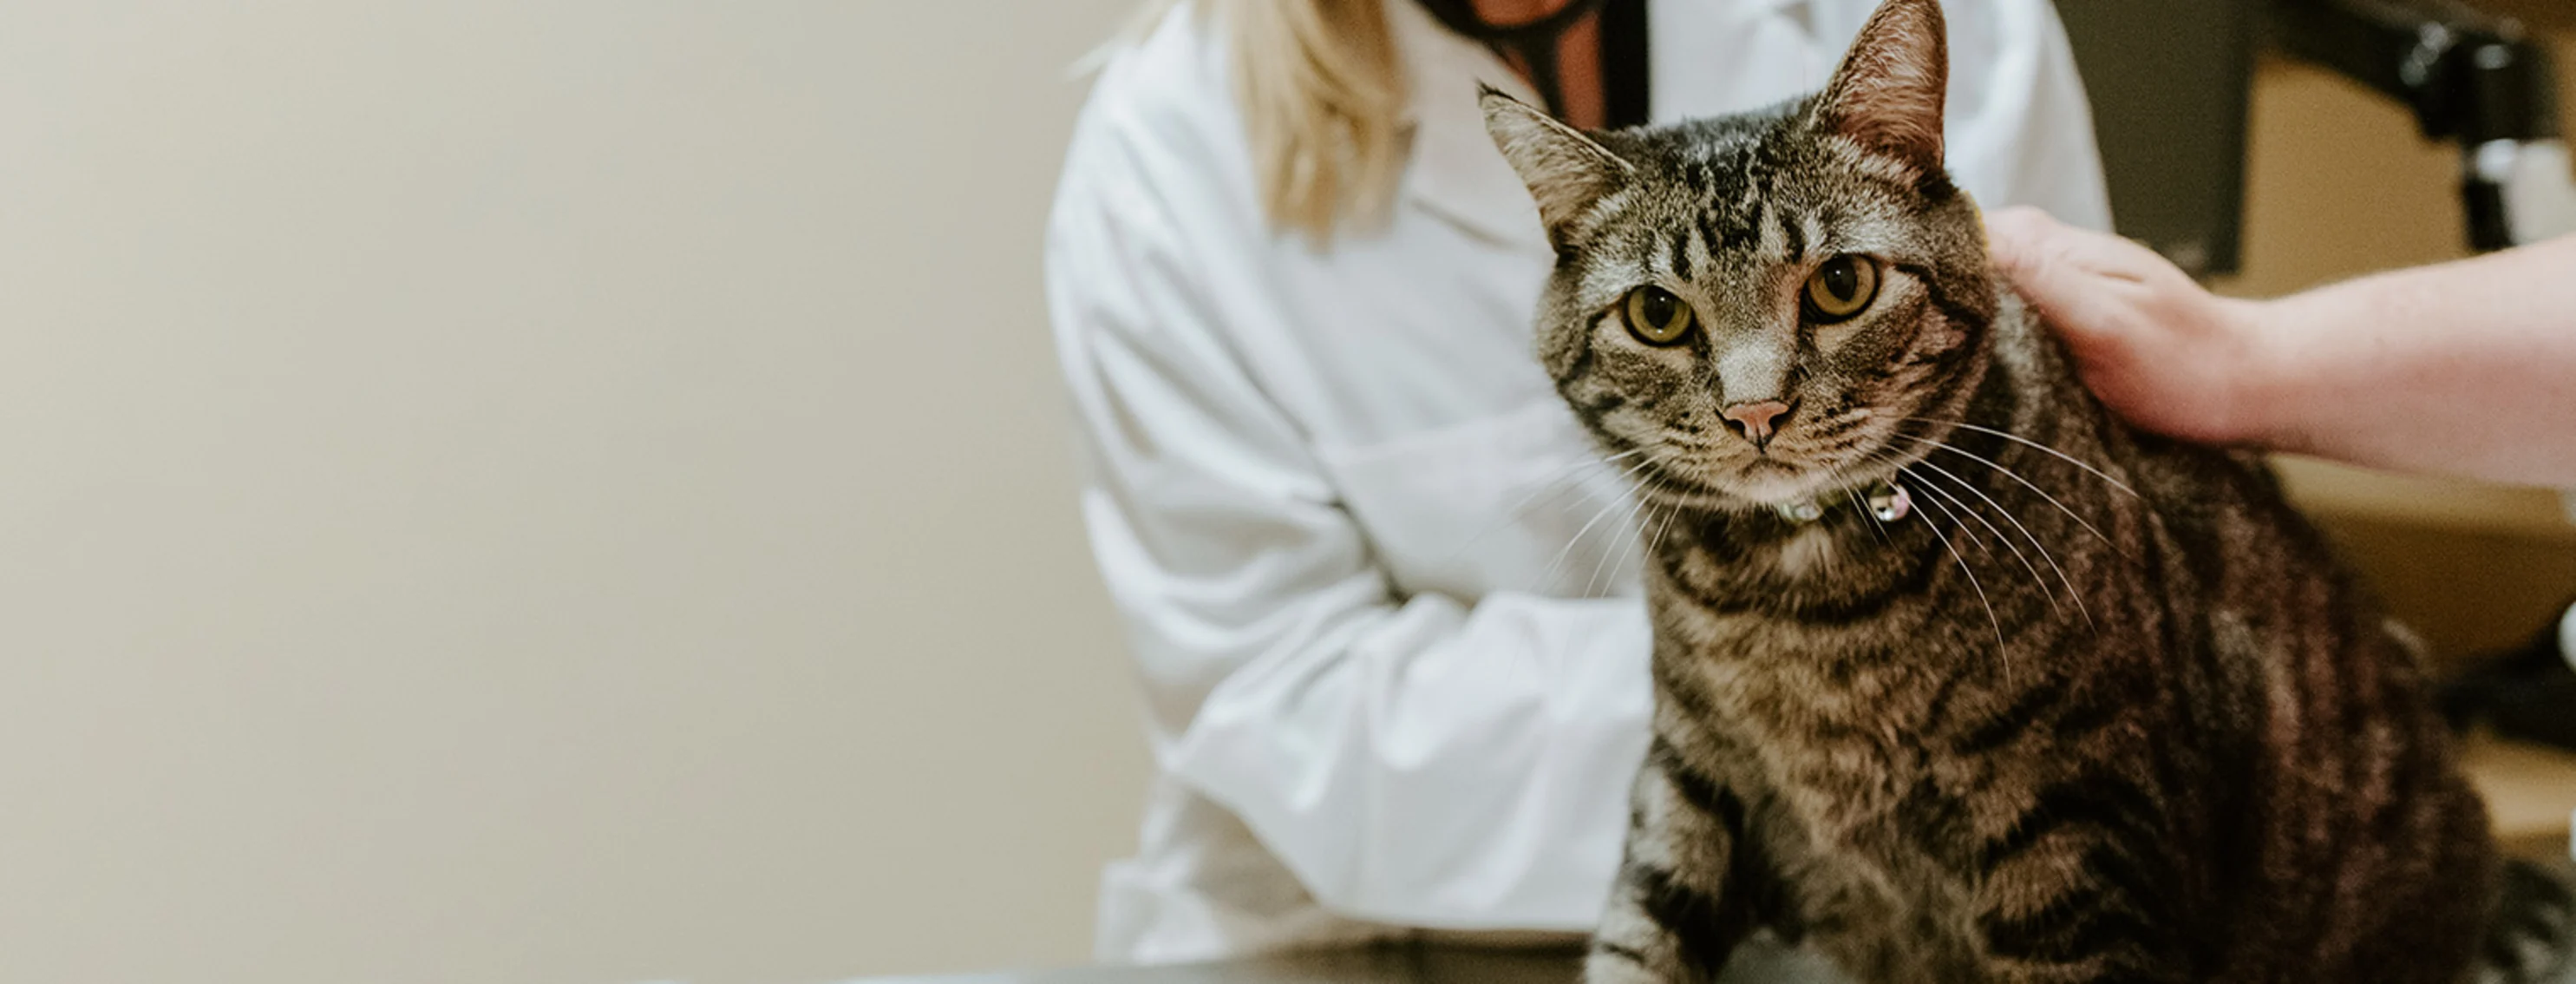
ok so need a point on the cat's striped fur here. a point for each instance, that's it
(2103, 708)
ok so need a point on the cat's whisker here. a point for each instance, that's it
(1863, 508)
(2003, 651)
(1655, 548)
(1626, 518)
(1549, 574)
(1650, 548)
(1851, 485)
(1565, 480)
(2015, 476)
(2026, 442)
(1622, 549)
(2035, 578)
(2035, 543)
(1672, 511)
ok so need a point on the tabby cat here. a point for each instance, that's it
(1957, 678)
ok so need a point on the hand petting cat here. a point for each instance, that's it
(2163, 353)
(2467, 368)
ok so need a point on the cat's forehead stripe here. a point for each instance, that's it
(1774, 243)
(1738, 203)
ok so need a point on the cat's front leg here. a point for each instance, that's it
(2072, 906)
(1674, 917)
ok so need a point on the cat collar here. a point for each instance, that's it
(1887, 501)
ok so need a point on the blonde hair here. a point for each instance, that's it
(1323, 95)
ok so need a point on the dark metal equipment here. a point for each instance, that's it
(2470, 78)
(2170, 82)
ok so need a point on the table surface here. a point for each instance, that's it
(1383, 965)
(1761, 960)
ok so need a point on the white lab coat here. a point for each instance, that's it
(1382, 602)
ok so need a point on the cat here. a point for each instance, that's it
(1957, 677)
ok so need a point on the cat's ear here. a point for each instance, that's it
(1565, 171)
(1888, 93)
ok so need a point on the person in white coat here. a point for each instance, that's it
(1381, 593)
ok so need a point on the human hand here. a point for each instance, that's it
(2160, 351)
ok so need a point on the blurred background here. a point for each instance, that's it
(580, 491)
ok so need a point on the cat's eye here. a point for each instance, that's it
(1656, 317)
(1841, 288)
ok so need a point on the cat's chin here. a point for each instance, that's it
(1770, 483)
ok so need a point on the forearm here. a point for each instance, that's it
(2467, 368)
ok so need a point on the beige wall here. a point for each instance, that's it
(569, 491)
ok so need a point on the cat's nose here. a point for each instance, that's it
(1756, 422)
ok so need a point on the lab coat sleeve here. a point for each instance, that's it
(1414, 760)
(2020, 130)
